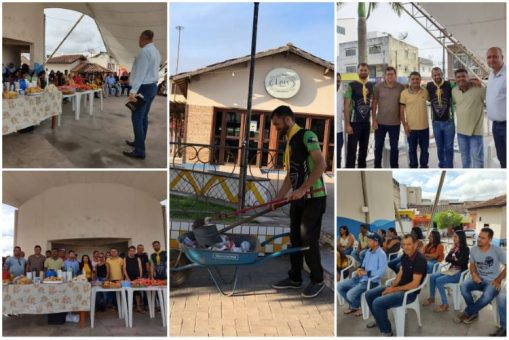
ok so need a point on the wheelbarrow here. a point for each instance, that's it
(190, 257)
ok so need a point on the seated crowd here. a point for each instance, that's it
(480, 265)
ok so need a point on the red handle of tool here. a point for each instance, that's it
(254, 207)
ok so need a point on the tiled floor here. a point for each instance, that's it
(198, 309)
(92, 142)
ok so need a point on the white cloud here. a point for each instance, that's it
(458, 184)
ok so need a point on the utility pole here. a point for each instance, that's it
(247, 122)
(179, 31)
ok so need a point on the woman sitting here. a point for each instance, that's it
(458, 259)
(434, 250)
(345, 240)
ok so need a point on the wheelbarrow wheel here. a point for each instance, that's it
(177, 259)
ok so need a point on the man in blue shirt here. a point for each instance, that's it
(72, 263)
(144, 77)
(111, 83)
(15, 264)
(373, 267)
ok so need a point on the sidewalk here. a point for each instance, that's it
(198, 309)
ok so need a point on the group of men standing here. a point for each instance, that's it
(386, 106)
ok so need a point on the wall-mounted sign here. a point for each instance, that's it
(282, 83)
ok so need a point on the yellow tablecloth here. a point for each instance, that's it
(46, 298)
(26, 111)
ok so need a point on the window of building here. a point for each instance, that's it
(375, 49)
(341, 30)
(351, 69)
(406, 53)
(350, 52)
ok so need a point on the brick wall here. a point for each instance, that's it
(198, 130)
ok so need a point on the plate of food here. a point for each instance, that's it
(9, 95)
(22, 280)
(111, 284)
(34, 91)
(5, 282)
(53, 279)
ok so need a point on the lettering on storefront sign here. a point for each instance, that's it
(282, 83)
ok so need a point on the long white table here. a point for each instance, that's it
(76, 102)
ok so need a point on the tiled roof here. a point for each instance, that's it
(90, 68)
(498, 201)
(66, 59)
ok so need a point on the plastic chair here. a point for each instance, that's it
(392, 256)
(351, 263)
(400, 312)
(456, 291)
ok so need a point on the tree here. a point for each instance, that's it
(364, 10)
(448, 219)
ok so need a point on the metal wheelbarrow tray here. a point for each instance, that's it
(212, 259)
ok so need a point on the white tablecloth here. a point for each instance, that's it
(46, 298)
(26, 111)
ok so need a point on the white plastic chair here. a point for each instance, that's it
(392, 256)
(456, 291)
(400, 312)
(364, 303)
(351, 263)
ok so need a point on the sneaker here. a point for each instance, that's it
(499, 332)
(460, 317)
(287, 284)
(468, 320)
(313, 289)
(388, 334)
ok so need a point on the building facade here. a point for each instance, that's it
(216, 99)
(383, 50)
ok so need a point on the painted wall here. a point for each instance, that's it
(30, 30)
(497, 220)
(380, 200)
(93, 210)
(228, 87)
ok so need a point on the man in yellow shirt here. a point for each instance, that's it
(414, 115)
(115, 265)
(54, 262)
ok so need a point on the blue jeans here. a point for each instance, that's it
(380, 134)
(379, 305)
(339, 143)
(502, 313)
(438, 281)
(489, 293)
(348, 251)
(421, 138)
(140, 118)
(499, 137)
(444, 139)
(431, 263)
(471, 149)
(395, 264)
(352, 289)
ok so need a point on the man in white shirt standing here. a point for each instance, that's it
(144, 77)
(496, 101)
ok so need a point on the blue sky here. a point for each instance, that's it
(458, 185)
(214, 32)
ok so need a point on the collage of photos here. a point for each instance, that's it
(84, 226)
(254, 169)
